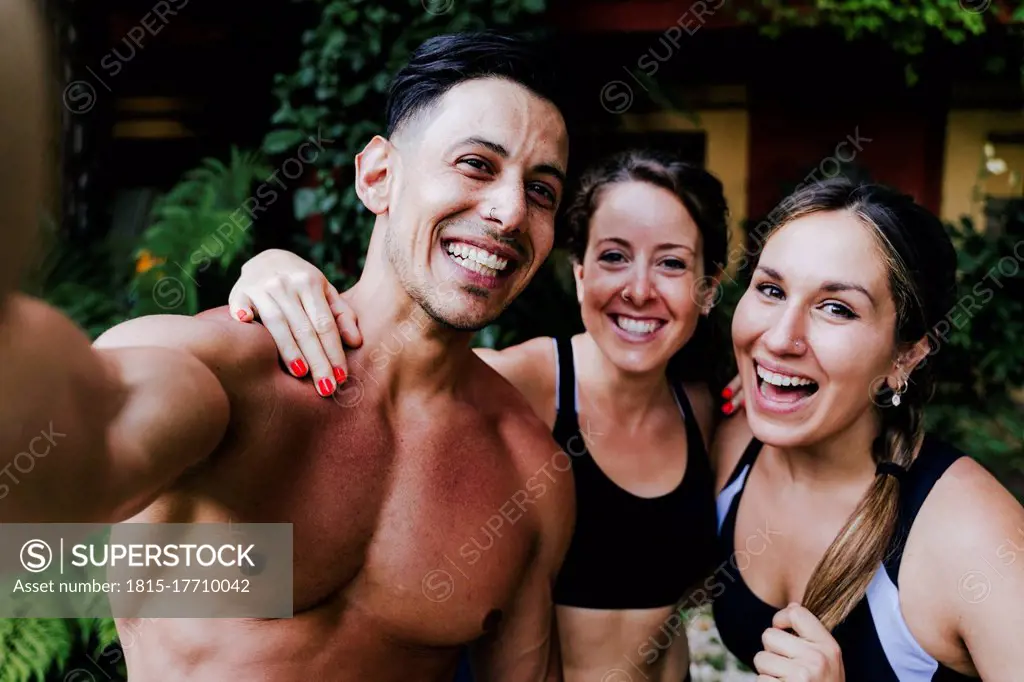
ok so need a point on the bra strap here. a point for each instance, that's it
(566, 405)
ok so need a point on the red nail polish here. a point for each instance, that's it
(726, 393)
(242, 315)
(339, 374)
(324, 387)
(728, 408)
(298, 367)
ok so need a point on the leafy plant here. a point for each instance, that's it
(906, 26)
(202, 221)
(85, 281)
(979, 401)
(43, 649)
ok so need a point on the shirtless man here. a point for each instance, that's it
(385, 494)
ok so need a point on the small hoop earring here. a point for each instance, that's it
(900, 390)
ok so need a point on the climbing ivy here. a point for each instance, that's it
(906, 25)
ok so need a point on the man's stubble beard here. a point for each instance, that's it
(427, 300)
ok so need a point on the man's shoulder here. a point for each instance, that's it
(499, 398)
(228, 347)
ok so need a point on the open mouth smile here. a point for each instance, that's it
(484, 265)
(780, 390)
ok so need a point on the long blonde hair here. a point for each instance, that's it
(921, 262)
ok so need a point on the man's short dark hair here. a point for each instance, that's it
(444, 61)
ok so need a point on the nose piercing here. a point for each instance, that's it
(625, 294)
(491, 214)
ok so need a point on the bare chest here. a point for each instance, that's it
(424, 526)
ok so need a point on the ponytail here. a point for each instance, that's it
(845, 571)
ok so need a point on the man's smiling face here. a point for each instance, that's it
(476, 180)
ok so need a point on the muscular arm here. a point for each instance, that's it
(102, 430)
(525, 646)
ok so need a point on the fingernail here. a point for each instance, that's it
(339, 374)
(726, 393)
(324, 387)
(242, 315)
(298, 368)
(728, 408)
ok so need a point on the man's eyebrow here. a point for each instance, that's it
(545, 168)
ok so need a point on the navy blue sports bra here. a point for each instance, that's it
(877, 645)
(630, 552)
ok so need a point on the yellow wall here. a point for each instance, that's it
(967, 132)
(728, 150)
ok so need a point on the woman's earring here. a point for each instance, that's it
(898, 392)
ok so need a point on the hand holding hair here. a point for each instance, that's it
(798, 648)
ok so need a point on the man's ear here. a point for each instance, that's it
(577, 274)
(373, 174)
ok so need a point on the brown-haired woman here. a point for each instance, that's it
(902, 551)
(647, 233)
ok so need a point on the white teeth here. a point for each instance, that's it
(476, 267)
(781, 379)
(635, 326)
(486, 259)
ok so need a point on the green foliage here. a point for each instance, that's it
(51, 649)
(979, 401)
(88, 282)
(906, 25)
(339, 92)
(31, 646)
(200, 222)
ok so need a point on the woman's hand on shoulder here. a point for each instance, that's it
(304, 313)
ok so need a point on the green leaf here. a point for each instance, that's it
(280, 141)
(355, 94)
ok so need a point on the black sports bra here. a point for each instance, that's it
(877, 645)
(630, 552)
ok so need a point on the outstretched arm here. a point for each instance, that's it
(85, 435)
(95, 433)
